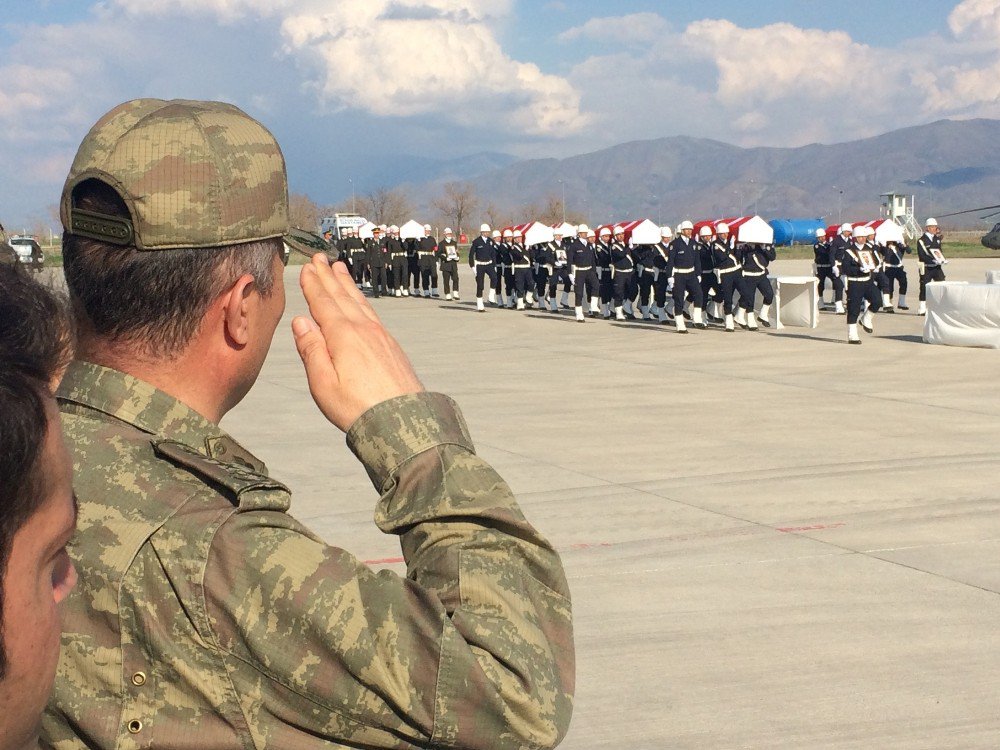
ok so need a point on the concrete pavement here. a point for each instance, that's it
(774, 539)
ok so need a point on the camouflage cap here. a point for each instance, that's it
(192, 174)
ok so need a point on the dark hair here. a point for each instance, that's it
(152, 301)
(36, 344)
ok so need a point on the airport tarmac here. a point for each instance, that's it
(773, 539)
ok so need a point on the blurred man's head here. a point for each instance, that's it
(174, 214)
(37, 508)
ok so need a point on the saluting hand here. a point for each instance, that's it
(352, 362)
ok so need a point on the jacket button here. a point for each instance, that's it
(135, 726)
(139, 679)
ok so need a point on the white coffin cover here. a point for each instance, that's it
(411, 230)
(643, 232)
(887, 231)
(569, 230)
(960, 314)
(535, 233)
(755, 230)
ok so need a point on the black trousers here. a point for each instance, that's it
(660, 289)
(645, 287)
(380, 281)
(541, 281)
(857, 293)
(606, 286)
(709, 284)
(412, 272)
(748, 291)
(559, 274)
(481, 273)
(428, 272)
(687, 285)
(623, 280)
(398, 272)
(824, 273)
(449, 272)
(632, 287)
(728, 283)
(896, 276)
(881, 282)
(358, 270)
(931, 273)
(522, 281)
(585, 283)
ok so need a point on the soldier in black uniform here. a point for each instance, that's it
(709, 282)
(482, 258)
(838, 245)
(605, 280)
(397, 262)
(895, 273)
(543, 256)
(504, 285)
(427, 262)
(645, 274)
(560, 271)
(684, 265)
(583, 262)
(931, 260)
(728, 272)
(827, 268)
(448, 255)
(520, 264)
(755, 260)
(857, 267)
(661, 264)
(376, 258)
(353, 249)
(622, 270)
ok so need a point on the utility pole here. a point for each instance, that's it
(563, 185)
(354, 209)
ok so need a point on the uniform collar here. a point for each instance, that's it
(149, 409)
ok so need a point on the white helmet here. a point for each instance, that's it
(427, 227)
(496, 233)
(619, 230)
(394, 229)
(820, 233)
(931, 223)
(383, 227)
(605, 232)
(557, 233)
(484, 228)
(722, 228)
(517, 233)
(685, 225)
(666, 232)
(582, 229)
(507, 233)
(447, 231)
(705, 231)
(846, 228)
(590, 233)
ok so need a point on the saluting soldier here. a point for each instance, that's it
(622, 270)
(931, 259)
(482, 258)
(560, 271)
(449, 256)
(685, 267)
(728, 272)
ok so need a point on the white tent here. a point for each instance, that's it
(411, 230)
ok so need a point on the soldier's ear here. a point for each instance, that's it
(236, 310)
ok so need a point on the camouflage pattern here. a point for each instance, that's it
(193, 174)
(207, 617)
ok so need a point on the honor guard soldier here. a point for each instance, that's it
(583, 261)
(728, 272)
(482, 258)
(931, 260)
(645, 279)
(685, 268)
(376, 258)
(427, 263)
(504, 286)
(895, 273)
(709, 281)
(448, 254)
(397, 262)
(354, 250)
(560, 272)
(879, 277)
(520, 264)
(661, 273)
(543, 255)
(827, 268)
(622, 271)
(206, 615)
(857, 267)
(838, 246)
(755, 259)
(605, 279)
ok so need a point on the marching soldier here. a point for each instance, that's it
(376, 258)
(543, 255)
(354, 250)
(728, 272)
(661, 274)
(482, 258)
(448, 254)
(583, 261)
(838, 245)
(560, 272)
(857, 267)
(505, 276)
(895, 273)
(622, 271)
(684, 265)
(755, 260)
(520, 264)
(827, 268)
(709, 282)
(931, 260)
(645, 278)
(427, 262)
(397, 262)
(605, 280)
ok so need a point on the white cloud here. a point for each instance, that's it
(976, 20)
(631, 29)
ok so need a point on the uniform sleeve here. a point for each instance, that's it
(473, 649)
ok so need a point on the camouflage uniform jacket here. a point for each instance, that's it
(207, 617)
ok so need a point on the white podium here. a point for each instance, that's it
(962, 314)
(796, 301)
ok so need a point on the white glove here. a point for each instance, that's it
(836, 272)
(670, 284)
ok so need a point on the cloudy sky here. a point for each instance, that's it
(348, 86)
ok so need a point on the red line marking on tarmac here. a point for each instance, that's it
(817, 527)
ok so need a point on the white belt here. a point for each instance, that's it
(684, 270)
(484, 262)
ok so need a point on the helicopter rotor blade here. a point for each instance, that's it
(969, 211)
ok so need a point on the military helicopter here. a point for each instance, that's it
(992, 238)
